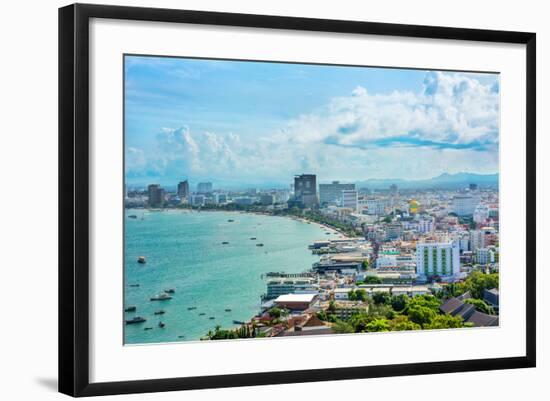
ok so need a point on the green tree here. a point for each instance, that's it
(341, 327)
(387, 219)
(381, 298)
(399, 302)
(361, 295)
(274, 312)
(426, 300)
(360, 321)
(481, 306)
(421, 315)
(372, 280)
(378, 325)
(402, 323)
(365, 264)
(445, 322)
(478, 281)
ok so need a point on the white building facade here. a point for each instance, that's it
(438, 259)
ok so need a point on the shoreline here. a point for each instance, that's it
(305, 220)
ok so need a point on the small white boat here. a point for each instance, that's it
(161, 297)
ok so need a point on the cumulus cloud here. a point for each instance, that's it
(451, 111)
(450, 125)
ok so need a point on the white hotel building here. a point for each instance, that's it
(438, 259)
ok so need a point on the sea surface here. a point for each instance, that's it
(184, 251)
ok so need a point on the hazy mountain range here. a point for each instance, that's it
(445, 180)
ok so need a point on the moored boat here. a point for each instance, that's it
(130, 309)
(260, 244)
(170, 290)
(160, 312)
(142, 260)
(192, 308)
(136, 319)
(238, 322)
(161, 297)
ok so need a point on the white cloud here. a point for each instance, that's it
(451, 125)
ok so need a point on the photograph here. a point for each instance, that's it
(277, 199)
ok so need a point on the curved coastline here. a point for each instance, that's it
(285, 250)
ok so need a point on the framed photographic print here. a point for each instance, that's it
(250, 199)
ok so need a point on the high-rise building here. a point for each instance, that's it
(464, 205)
(220, 199)
(375, 206)
(348, 199)
(267, 199)
(183, 189)
(204, 187)
(305, 190)
(438, 259)
(332, 193)
(394, 191)
(156, 196)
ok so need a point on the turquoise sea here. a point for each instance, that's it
(184, 251)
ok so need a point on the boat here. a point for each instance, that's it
(225, 243)
(136, 319)
(230, 221)
(133, 285)
(182, 336)
(260, 244)
(202, 314)
(132, 216)
(170, 290)
(211, 318)
(161, 297)
(253, 238)
(130, 309)
(160, 312)
(238, 322)
(141, 259)
(192, 308)
(161, 325)
(228, 310)
(148, 328)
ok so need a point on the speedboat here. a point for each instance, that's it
(260, 244)
(170, 290)
(161, 325)
(136, 319)
(192, 308)
(238, 322)
(142, 259)
(228, 310)
(225, 243)
(130, 309)
(160, 312)
(132, 216)
(161, 297)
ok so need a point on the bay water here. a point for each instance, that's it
(214, 283)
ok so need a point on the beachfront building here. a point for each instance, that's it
(155, 196)
(331, 194)
(349, 199)
(204, 187)
(296, 301)
(183, 189)
(275, 288)
(305, 190)
(197, 200)
(438, 259)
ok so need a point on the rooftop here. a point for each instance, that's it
(296, 298)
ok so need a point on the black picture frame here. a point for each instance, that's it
(74, 198)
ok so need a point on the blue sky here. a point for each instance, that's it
(258, 123)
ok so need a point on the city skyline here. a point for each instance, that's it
(241, 123)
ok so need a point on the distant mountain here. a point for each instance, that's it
(451, 181)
